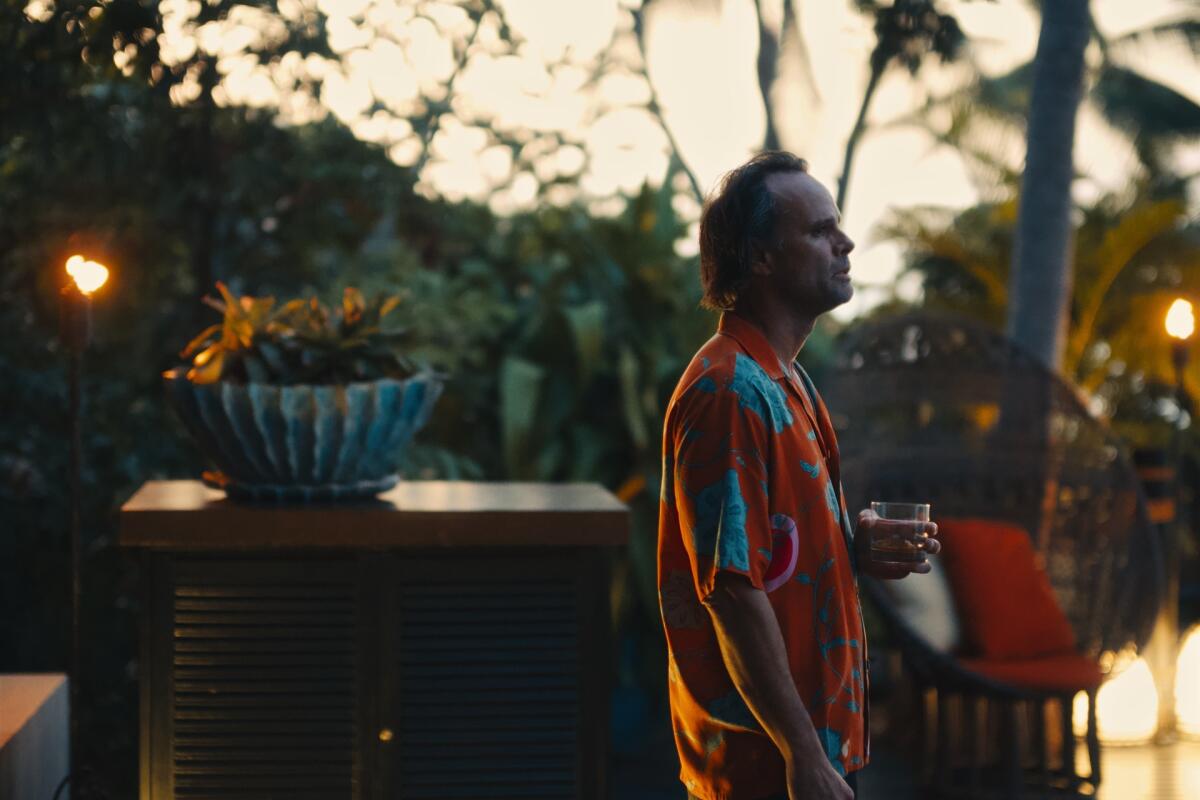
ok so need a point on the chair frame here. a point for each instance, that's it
(942, 408)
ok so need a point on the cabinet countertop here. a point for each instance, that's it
(187, 515)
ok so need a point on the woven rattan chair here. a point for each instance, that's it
(947, 411)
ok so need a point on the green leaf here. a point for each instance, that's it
(201, 340)
(388, 305)
(587, 328)
(1008, 94)
(1183, 31)
(627, 372)
(232, 306)
(588, 447)
(1156, 112)
(209, 370)
(520, 389)
(353, 305)
(548, 461)
(292, 308)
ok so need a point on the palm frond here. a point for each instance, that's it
(990, 142)
(1183, 32)
(1151, 110)
(1007, 95)
(1098, 271)
(958, 255)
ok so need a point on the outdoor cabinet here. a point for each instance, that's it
(449, 640)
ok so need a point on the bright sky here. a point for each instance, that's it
(714, 107)
(702, 64)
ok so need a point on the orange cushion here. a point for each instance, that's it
(1005, 603)
(1067, 673)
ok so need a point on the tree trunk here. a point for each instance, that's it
(768, 70)
(205, 177)
(878, 64)
(655, 107)
(1040, 286)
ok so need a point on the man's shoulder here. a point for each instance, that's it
(710, 371)
(720, 376)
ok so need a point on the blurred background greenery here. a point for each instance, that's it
(563, 310)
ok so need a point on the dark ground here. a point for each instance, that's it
(1148, 772)
(655, 777)
(648, 769)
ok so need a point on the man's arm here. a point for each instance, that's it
(752, 648)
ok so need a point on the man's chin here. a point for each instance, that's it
(842, 295)
(836, 295)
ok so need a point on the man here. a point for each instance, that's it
(757, 568)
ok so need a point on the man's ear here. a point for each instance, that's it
(760, 261)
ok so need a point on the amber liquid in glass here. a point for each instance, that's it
(893, 548)
(899, 548)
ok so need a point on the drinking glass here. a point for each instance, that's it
(893, 545)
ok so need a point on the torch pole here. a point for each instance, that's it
(76, 409)
(76, 334)
(1167, 722)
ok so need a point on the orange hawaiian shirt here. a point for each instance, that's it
(750, 486)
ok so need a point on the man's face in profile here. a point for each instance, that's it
(809, 257)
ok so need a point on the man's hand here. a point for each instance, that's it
(921, 534)
(811, 780)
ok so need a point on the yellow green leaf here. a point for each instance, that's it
(205, 355)
(196, 343)
(230, 301)
(353, 304)
(389, 305)
(209, 372)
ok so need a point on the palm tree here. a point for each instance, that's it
(988, 125)
(1134, 252)
(989, 116)
(778, 41)
(1041, 276)
(906, 32)
(1153, 116)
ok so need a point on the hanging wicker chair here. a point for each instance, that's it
(946, 411)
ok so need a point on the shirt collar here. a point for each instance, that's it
(753, 341)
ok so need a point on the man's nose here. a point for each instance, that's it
(847, 244)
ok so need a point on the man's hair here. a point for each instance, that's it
(737, 220)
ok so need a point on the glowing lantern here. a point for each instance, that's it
(88, 275)
(1126, 707)
(1187, 684)
(1181, 320)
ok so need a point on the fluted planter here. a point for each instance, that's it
(305, 442)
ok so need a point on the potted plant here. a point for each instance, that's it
(301, 402)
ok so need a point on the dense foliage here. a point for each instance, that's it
(1134, 253)
(561, 333)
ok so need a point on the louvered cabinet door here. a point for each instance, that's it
(493, 678)
(254, 691)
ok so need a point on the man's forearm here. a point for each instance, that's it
(752, 648)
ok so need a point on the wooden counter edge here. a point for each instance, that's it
(223, 525)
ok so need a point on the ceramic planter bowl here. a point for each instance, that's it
(305, 442)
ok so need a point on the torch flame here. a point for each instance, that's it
(88, 275)
(1126, 706)
(1187, 684)
(1181, 322)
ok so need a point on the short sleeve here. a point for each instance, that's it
(720, 485)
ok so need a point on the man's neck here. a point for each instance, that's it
(786, 333)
